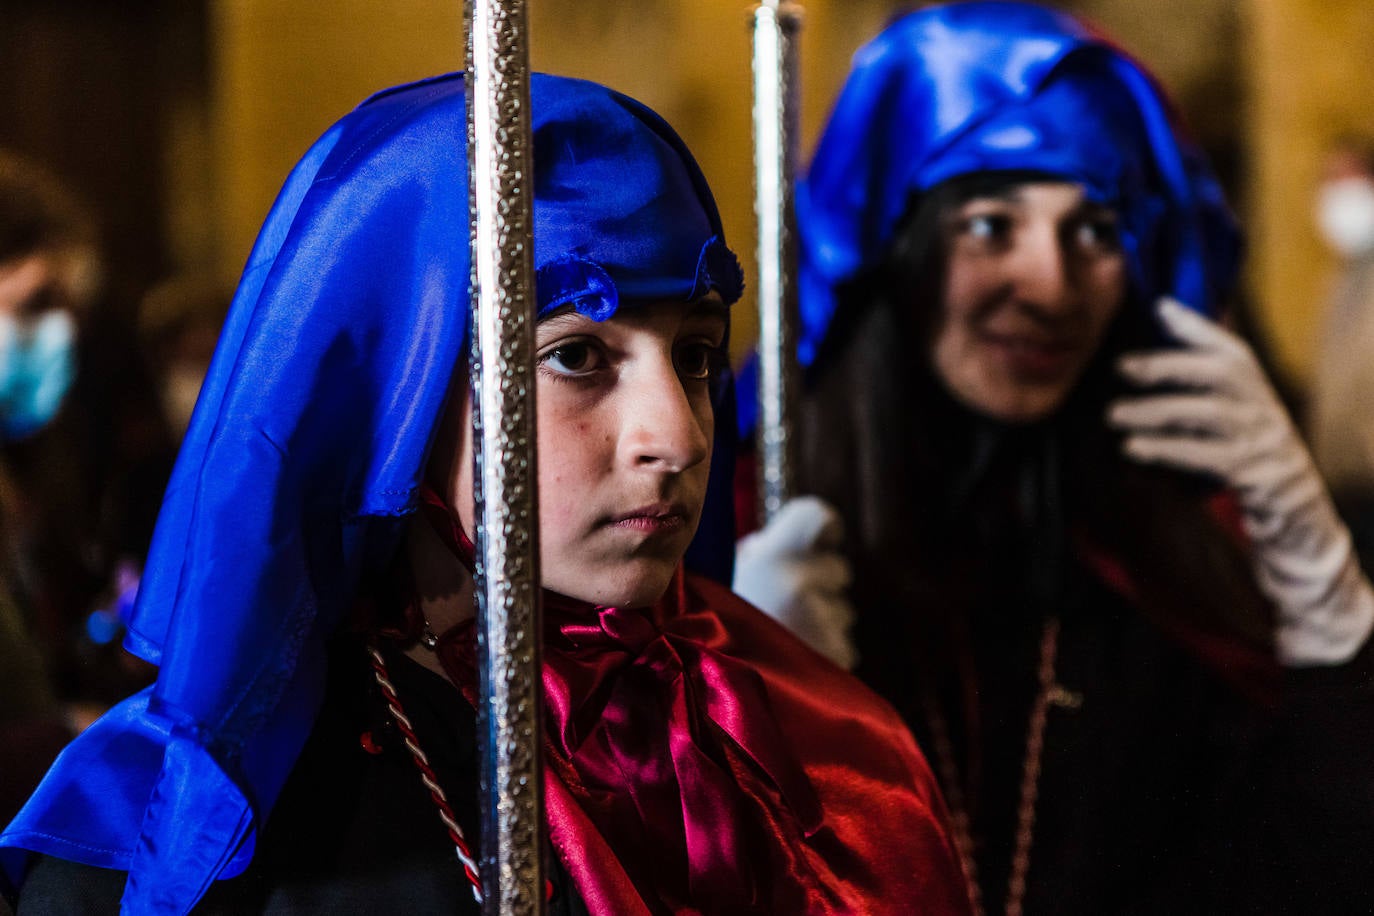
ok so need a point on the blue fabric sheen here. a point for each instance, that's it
(307, 447)
(980, 86)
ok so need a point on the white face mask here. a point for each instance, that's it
(1345, 215)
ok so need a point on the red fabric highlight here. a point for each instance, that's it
(699, 758)
(1251, 672)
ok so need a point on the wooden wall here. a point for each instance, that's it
(179, 121)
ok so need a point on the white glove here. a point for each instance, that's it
(793, 571)
(1229, 423)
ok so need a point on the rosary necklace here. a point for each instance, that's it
(1049, 693)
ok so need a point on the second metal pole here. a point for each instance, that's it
(776, 27)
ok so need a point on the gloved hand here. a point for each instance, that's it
(792, 570)
(1227, 421)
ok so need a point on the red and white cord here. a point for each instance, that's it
(427, 774)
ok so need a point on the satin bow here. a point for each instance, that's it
(670, 747)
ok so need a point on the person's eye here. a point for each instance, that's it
(42, 300)
(698, 359)
(985, 228)
(572, 358)
(1098, 233)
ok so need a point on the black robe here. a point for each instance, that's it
(354, 831)
(1164, 785)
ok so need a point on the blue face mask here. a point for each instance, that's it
(37, 365)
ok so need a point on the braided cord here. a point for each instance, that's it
(427, 774)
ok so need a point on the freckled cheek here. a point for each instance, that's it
(566, 491)
(558, 520)
(570, 468)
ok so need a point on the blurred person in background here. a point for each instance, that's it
(1092, 562)
(48, 272)
(83, 452)
(1341, 403)
(179, 321)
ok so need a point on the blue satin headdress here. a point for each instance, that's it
(309, 441)
(973, 87)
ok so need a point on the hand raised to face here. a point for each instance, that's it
(1220, 416)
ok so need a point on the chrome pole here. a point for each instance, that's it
(500, 157)
(777, 24)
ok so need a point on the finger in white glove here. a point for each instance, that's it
(1220, 416)
(792, 569)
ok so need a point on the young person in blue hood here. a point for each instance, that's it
(308, 599)
(1092, 563)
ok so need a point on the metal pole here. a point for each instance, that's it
(776, 27)
(500, 157)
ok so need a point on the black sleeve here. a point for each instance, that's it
(56, 887)
(355, 830)
(1329, 735)
(1315, 804)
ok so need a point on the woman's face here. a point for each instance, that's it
(1033, 277)
(625, 427)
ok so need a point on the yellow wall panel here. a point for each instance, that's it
(285, 70)
(1310, 65)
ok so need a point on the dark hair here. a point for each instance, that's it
(923, 481)
(36, 212)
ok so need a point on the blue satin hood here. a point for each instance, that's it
(1003, 86)
(309, 440)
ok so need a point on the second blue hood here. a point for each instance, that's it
(974, 87)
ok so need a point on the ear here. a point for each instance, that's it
(449, 471)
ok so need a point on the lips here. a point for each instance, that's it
(652, 519)
(1032, 357)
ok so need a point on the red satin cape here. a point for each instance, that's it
(700, 759)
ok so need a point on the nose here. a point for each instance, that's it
(665, 427)
(1043, 272)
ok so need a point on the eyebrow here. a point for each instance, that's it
(709, 308)
(704, 308)
(564, 314)
(1097, 208)
(1011, 194)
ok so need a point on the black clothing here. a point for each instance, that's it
(1163, 788)
(353, 832)
(1174, 779)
